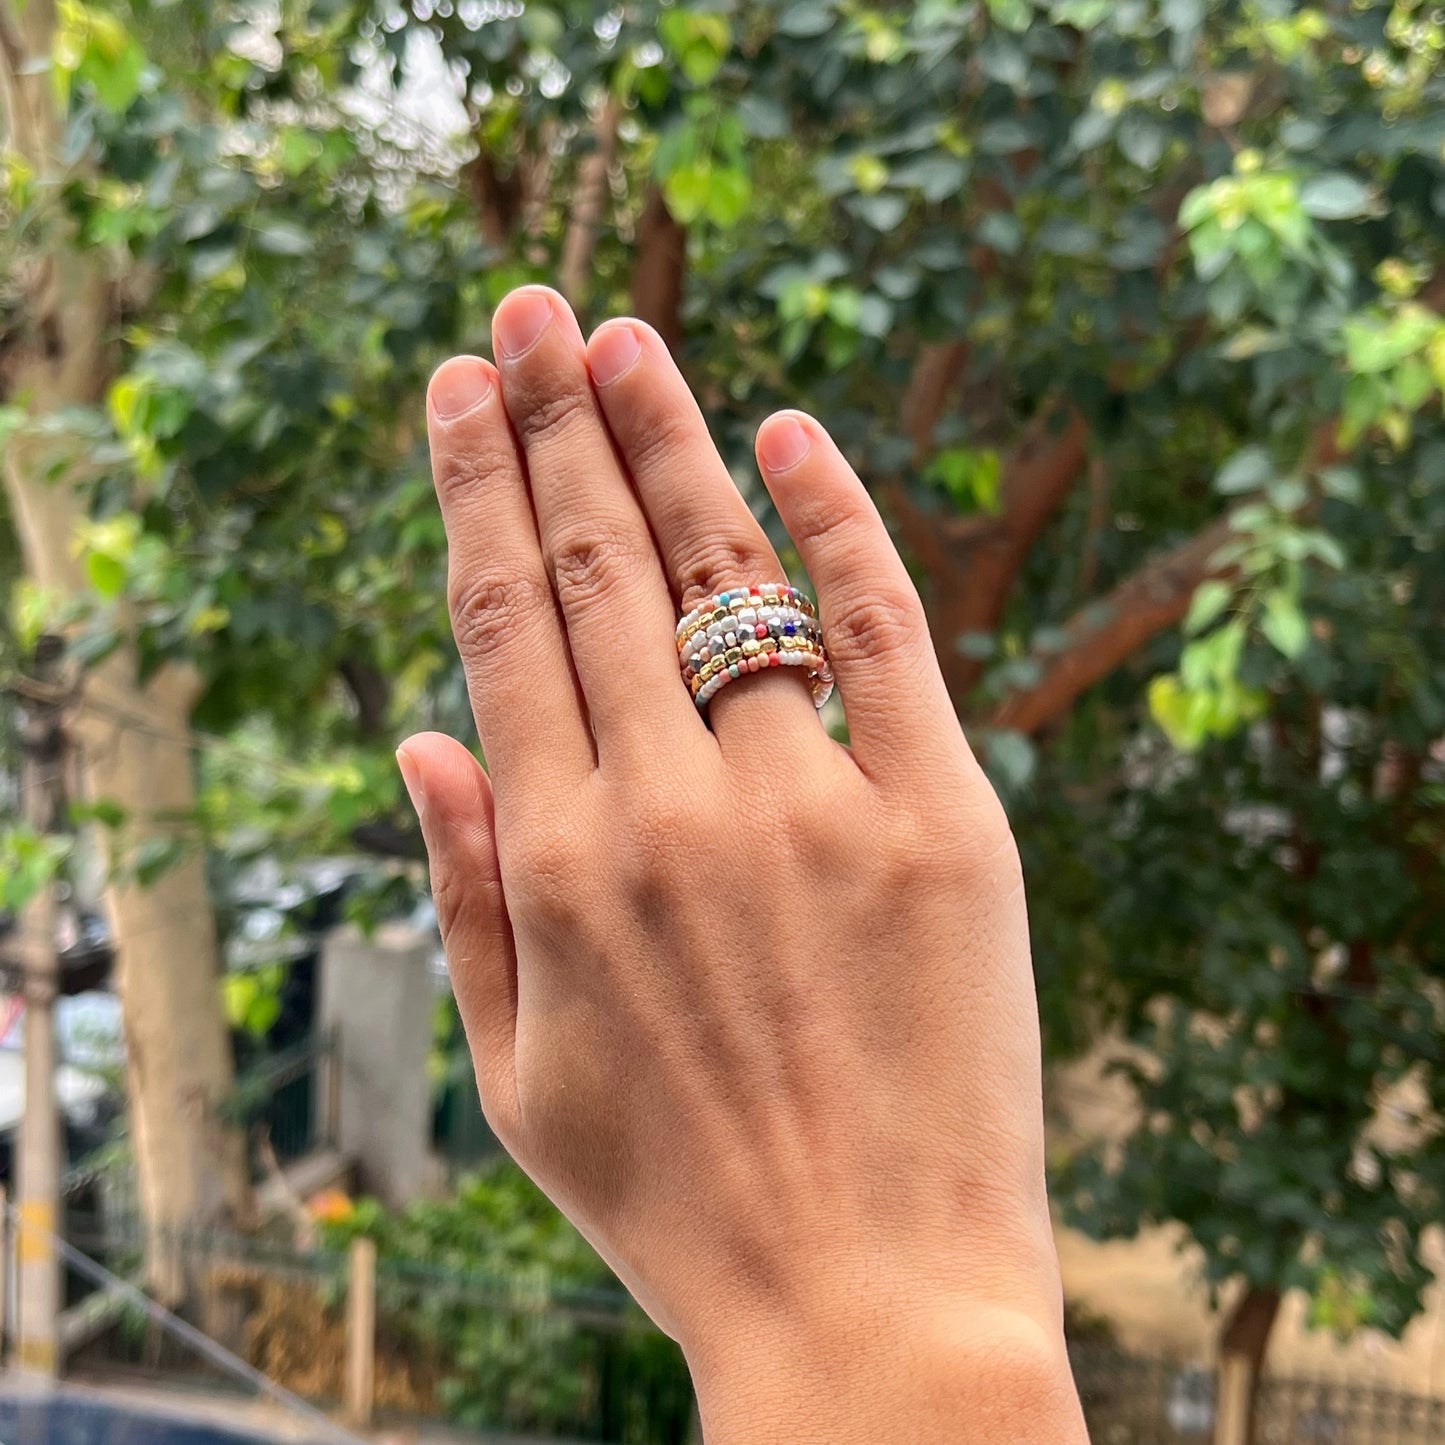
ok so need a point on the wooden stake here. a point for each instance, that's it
(361, 1332)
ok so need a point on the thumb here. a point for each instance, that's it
(453, 801)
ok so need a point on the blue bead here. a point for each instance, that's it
(790, 628)
(722, 600)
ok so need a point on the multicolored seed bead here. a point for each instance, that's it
(751, 629)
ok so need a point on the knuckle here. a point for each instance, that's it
(590, 564)
(662, 826)
(718, 563)
(661, 443)
(824, 527)
(488, 610)
(465, 472)
(545, 869)
(551, 416)
(815, 831)
(978, 841)
(879, 623)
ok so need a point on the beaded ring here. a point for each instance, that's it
(749, 629)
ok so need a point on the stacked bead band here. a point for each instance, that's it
(747, 629)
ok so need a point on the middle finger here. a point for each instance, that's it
(595, 540)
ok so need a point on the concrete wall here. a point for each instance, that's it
(379, 995)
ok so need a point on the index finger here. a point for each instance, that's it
(523, 691)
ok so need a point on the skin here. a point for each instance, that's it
(754, 1008)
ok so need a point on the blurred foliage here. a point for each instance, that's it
(1210, 231)
(529, 1328)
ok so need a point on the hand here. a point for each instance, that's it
(754, 1008)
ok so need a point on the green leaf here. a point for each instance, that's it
(882, 212)
(1081, 14)
(869, 173)
(1015, 15)
(107, 574)
(1174, 709)
(1142, 139)
(1336, 197)
(729, 195)
(1183, 16)
(1342, 483)
(1064, 236)
(1374, 343)
(1001, 230)
(1209, 601)
(806, 20)
(1284, 624)
(155, 857)
(699, 39)
(283, 238)
(688, 191)
(12, 418)
(1245, 471)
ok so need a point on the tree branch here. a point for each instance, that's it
(371, 688)
(32, 124)
(1104, 633)
(986, 552)
(935, 373)
(498, 198)
(659, 268)
(12, 50)
(589, 200)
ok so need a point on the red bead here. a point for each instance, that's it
(775, 659)
(761, 630)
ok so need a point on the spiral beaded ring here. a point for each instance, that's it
(747, 629)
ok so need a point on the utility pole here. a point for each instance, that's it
(43, 747)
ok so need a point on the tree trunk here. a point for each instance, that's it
(1242, 1346)
(658, 270)
(134, 750)
(191, 1167)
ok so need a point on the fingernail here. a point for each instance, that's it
(783, 444)
(520, 320)
(612, 353)
(411, 776)
(458, 385)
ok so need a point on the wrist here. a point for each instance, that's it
(965, 1378)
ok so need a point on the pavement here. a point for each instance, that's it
(180, 1405)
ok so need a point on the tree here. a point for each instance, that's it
(59, 353)
(1129, 312)
(173, 212)
(1132, 314)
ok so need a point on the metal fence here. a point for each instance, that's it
(287, 1106)
(1323, 1412)
(1130, 1400)
(290, 1099)
(549, 1360)
(520, 1354)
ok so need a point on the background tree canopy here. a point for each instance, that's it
(1131, 314)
